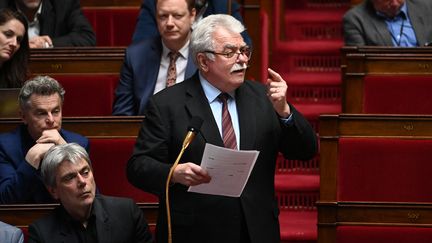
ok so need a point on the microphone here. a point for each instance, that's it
(193, 128)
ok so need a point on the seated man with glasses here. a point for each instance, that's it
(237, 114)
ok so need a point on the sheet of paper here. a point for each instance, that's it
(229, 169)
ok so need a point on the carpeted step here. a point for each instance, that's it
(312, 47)
(293, 182)
(323, 5)
(298, 226)
(312, 25)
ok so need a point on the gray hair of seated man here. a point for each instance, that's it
(202, 35)
(70, 152)
(39, 85)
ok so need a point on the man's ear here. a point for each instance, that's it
(53, 192)
(202, 62)
(22, 116)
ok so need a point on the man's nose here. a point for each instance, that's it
(170, 20)
(50, 118)
(81, 180)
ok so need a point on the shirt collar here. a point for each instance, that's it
(210, 91)
(403, 13)
(36, 16)
(184, 51)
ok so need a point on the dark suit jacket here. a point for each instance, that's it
(63, 21)
(146, 26)
(362, 26)
(117, 220)
(19, 181)
(216, 218)
(138, 76)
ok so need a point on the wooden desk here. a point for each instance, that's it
(359, 63)
(78, 60)
(333, 211)
(22, 215)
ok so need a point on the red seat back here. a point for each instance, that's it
(397, 94)
(388, 170)
(109, 158)
(88, 95)
(114, 26)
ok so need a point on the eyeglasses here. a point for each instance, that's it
(244, 51)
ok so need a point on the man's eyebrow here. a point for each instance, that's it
(230, 46)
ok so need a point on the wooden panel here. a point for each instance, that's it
(333, 213)
(22, 215)
(91, 127)
(109, 3)
(77, 60)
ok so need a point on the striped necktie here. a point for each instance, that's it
(229, 137)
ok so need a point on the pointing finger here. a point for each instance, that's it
(274, 75)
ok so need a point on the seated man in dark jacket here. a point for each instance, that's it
(54, 23)
(84, 216)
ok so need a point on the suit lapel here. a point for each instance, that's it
(197, 105)
(417, 22)
(47, 27)
(247, 117)
(103, 226)
(382, 34)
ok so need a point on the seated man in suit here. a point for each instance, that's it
(10, 234)
(84, 216)
(400, 23)
(155, 63)
(146, 24)
(54, 23)
(21, 150)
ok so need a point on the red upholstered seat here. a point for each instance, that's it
(380, 234)
(88, 95)
(388, 170)
(397, 94)
(109, 158)
(114, 26)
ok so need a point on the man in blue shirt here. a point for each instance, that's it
(400, 23)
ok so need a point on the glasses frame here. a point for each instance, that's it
(230, 55)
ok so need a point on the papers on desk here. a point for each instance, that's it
(228, 168)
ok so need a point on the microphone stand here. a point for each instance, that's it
(188, 139)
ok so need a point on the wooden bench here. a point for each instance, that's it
(22, 215)
(386, 80)
(375, 172)
(89, 76)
